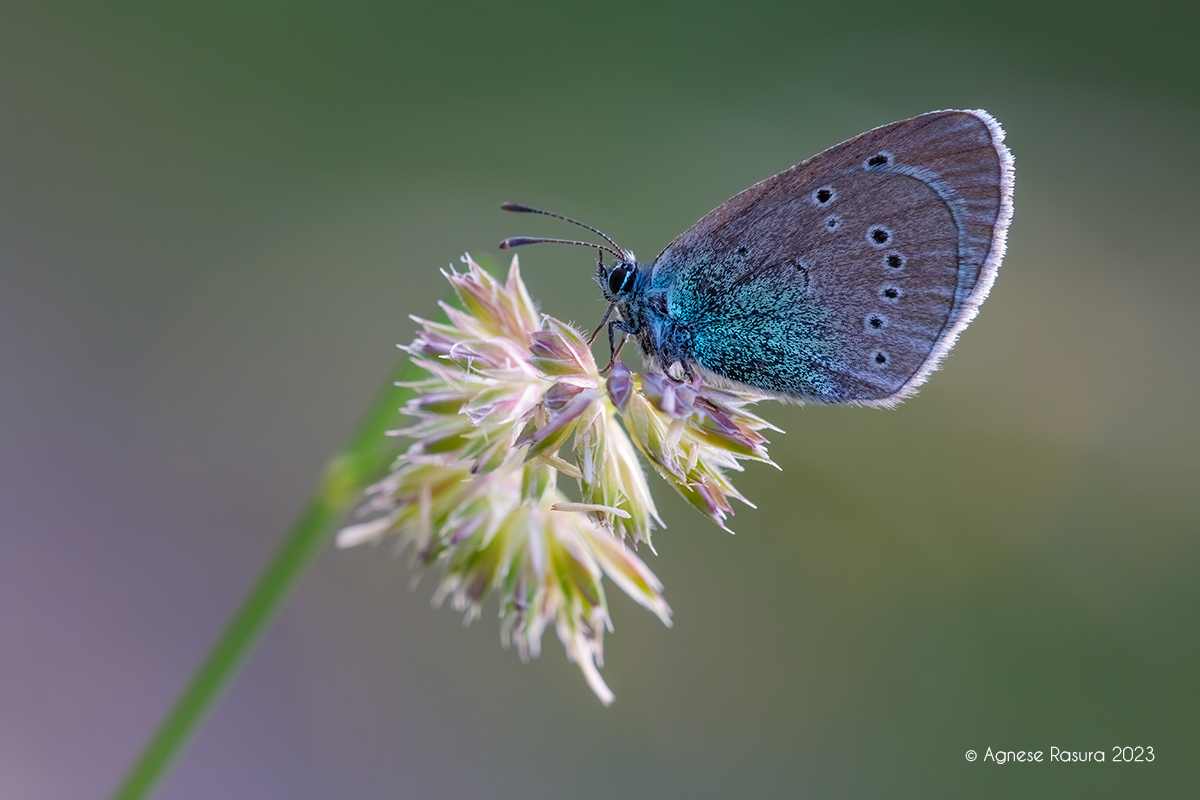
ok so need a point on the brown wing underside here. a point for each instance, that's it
(898, 231)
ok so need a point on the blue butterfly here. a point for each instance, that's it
(842, 280)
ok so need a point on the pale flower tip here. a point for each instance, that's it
(586, 507)
(582, 654)
(354, 535)
(563, 466)
(630, 573)
(513, 283)
(597, 685)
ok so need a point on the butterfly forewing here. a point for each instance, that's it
(848, 276)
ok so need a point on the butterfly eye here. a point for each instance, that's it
(617, 278)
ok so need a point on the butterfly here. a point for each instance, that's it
(842, 280)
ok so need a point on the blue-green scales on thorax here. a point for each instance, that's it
(750, 325)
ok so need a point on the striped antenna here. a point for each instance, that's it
(617, 251)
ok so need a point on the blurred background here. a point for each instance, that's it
(215, 219)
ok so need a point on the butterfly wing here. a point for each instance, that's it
(847, 278)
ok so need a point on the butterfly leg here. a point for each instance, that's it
(688, 375)
(592, 339)
(613, 347)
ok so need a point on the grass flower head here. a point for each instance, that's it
(513, 400)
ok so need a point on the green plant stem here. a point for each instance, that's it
(364, 461)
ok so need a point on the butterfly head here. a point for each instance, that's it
(622, 282)
(617, 281)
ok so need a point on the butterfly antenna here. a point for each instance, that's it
(618, 251)
(517, 241)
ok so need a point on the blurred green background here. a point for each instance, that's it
(215, 219)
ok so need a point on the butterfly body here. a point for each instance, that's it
(842, 280)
